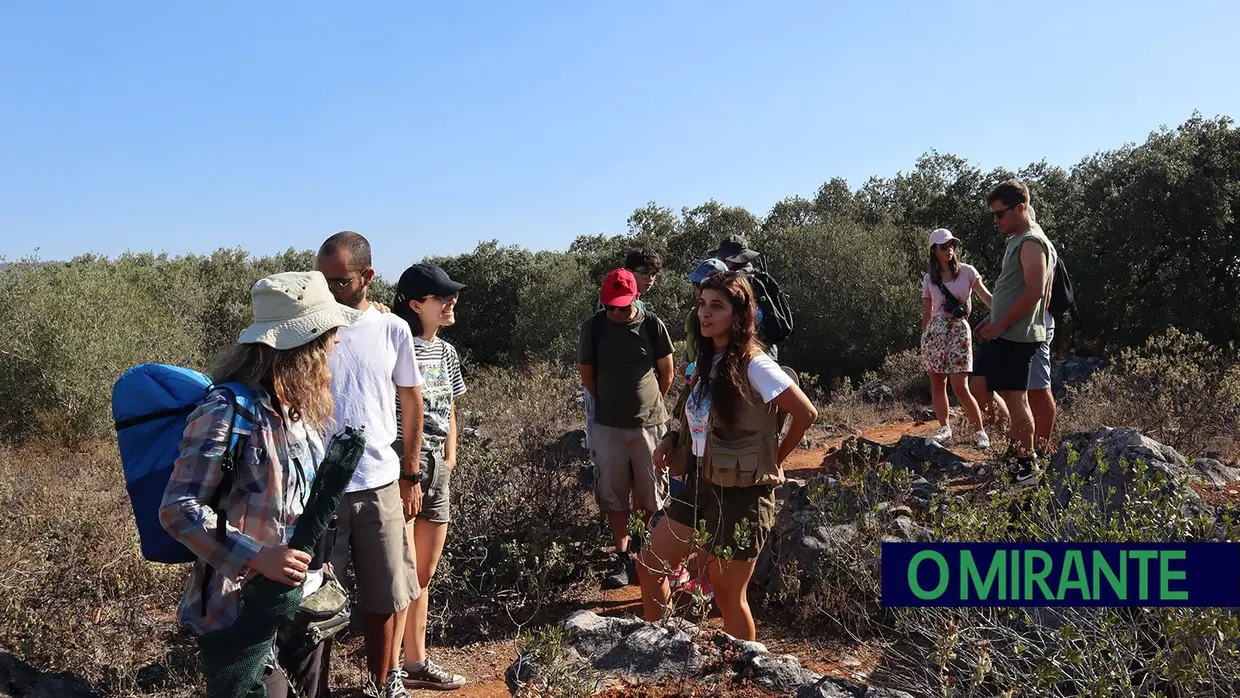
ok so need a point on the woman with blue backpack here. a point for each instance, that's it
(241, 529)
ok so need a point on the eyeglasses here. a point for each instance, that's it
(341, 284)
(647, 272)
(998, 215)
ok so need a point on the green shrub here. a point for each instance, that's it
(853, 302)
(1178, 389)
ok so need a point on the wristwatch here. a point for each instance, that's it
(416, 478)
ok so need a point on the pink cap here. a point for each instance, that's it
(941, 236)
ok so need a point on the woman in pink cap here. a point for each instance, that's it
(946, 338)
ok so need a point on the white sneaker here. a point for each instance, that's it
(981, 440)
(943, 435)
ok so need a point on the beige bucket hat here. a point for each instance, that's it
(294, 308)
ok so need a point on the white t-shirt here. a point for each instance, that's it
(766, 377)
(374, 356)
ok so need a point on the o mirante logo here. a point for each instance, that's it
(1061, 574)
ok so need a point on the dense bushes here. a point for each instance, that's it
(1177, 388)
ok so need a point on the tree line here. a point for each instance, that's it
(1148, 231)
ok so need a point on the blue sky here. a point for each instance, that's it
(184, 127)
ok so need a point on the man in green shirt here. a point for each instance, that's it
(1017, 323)
(625, 361)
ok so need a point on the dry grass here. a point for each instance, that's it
(77, 594)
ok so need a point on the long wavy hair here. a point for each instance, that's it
(728, 384)
(299, 377)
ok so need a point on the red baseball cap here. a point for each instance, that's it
(619, 288)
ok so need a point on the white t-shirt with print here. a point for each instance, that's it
(767, 379)
(374, 356)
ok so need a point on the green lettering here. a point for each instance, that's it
(1037, 577)
(970, 577)
(1144, 578)
(1166, 575)
(1015, 575)
(939, 560)
(1103, 568)
(1073, 565)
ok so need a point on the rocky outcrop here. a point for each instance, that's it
(627, 650)
(20, 680)
(876, 392)
(1101, 467)
(1074, 371)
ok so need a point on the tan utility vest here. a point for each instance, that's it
(740, 455)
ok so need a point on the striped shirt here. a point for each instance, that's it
(442, 384)
(269, 491)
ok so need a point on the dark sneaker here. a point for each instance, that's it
(1026, 471)
(623, 574)
(431, 676)
(395, 685)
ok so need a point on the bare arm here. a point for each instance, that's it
(449, 446)
(587, 378)
(411, 426)
(664, 368)
(803, 414)
(1033, 261)
(979, 287)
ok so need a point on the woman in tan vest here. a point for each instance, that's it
(725, 441)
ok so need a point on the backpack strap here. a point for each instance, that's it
(242, 402)
(650, 325)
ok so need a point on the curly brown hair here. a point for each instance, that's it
(728, 386)
(299, 378)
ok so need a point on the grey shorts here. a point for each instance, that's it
(625, 470)
(370, 533)
(1040, 367)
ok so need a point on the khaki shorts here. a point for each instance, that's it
(624, 460)
(370, 532)
(737, 520)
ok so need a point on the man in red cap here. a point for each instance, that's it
(625, 360)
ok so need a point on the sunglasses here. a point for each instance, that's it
(998, 215)
(615, 308)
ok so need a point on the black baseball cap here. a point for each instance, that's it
(735, 248)
(422, 280)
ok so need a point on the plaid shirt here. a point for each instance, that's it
(269, 490)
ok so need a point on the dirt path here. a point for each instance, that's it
(486, 663)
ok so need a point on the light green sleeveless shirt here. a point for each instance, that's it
(1011, 284)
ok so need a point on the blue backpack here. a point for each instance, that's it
(150, 405)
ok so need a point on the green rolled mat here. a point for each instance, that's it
(234, 657)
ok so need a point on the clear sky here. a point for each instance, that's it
(427, 126)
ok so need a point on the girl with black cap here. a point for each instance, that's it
(426, 299)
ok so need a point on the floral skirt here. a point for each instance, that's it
(947, 346)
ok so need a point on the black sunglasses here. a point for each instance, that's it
(1001, 212)
(615, 308)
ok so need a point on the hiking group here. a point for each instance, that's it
(235, 465)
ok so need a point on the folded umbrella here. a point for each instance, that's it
(235, 657)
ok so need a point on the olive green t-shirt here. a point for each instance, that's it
(1011, 284)
(626, 387)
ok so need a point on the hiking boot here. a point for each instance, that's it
(943, 436)
(396, 685)
(1026, 471)
(623, 574)
(981, 440)
(428, 674)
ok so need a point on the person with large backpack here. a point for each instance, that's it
(626, 365)
(774, 318)
(247, 458)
